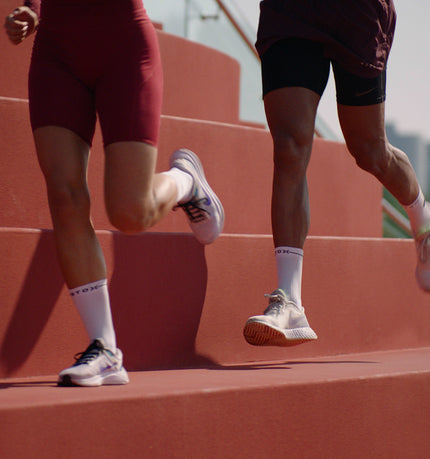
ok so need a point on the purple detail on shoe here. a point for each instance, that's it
(108, 367)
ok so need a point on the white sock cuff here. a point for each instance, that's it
(289, 261)
(289, 250)
(419, 201)
(93, 305)
(88, 288)
(184, 183)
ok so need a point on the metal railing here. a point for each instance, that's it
(238, 28)
(399, 219)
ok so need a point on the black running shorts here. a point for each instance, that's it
(297, 62)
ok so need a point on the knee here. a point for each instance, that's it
(131, 218)
(291, 153)
(372, 156)
(68, 203)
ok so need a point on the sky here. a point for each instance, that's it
(408, 74)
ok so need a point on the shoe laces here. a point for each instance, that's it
(278, 303)
(194, 210)
(91, 353)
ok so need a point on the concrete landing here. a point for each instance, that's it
(372, 405)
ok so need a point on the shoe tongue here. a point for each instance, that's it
(283, 298)
(94, 348)
(96, 344)
(90, 353)
(279, 292)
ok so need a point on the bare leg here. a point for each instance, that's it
(291, 117)
(63, 158)
(364, 132)
(136, 197)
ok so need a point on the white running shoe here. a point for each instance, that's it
(283, 324)
(96, 366)
(422, 272)
(204, 210)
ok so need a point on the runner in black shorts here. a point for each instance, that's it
(298, 41)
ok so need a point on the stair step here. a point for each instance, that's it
(361, 405)
(344, 200)
(177, 303)
(192, 84)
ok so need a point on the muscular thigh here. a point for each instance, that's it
(129, 175)
(363, 128)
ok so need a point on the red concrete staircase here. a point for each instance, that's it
(198, 390)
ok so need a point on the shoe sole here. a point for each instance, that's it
(108, 379)
(261, 334)
(195, 161)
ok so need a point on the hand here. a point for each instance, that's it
(21, 23)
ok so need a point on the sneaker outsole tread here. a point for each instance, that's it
(109, 379)
(261, 334)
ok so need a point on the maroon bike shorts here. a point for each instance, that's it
(97, 58)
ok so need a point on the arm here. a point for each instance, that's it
(22, 22)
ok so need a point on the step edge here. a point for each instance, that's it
(139, 381)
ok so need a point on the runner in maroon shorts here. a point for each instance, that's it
(298, 41)
(101, 57)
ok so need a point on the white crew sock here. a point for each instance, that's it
(418, 213)
(289, 262)
(184, 183)
(93, 305)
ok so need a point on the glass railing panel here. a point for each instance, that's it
(204, 22)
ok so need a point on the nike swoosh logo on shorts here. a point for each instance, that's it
(364, 93)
